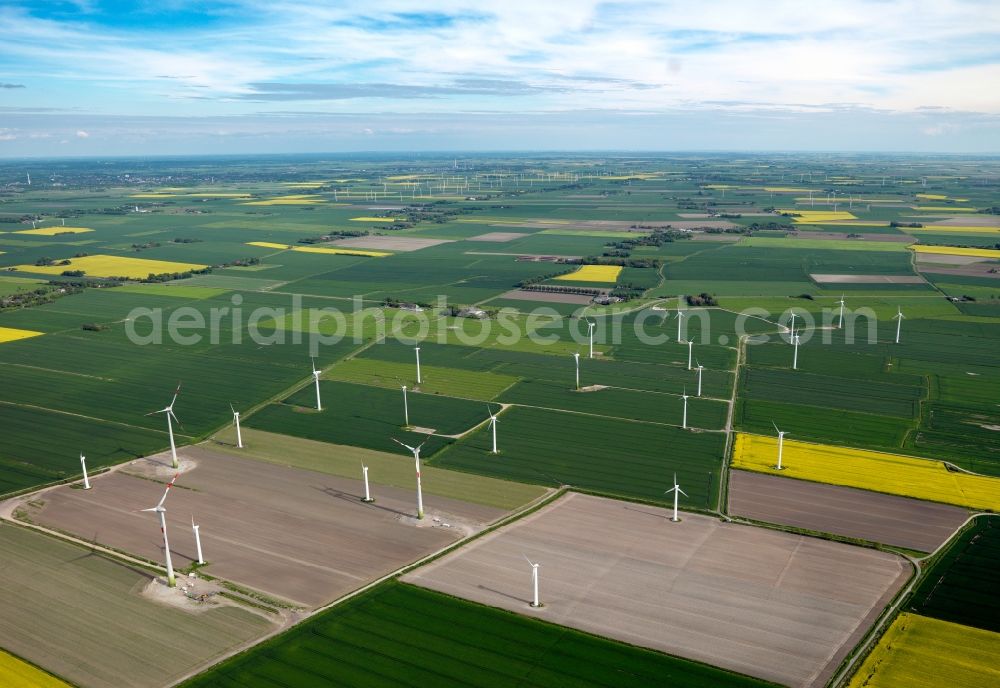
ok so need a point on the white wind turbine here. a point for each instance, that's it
(493, 427)
(534, 582)
(684, 396)
(576, 357)
(899, 317)
(83, 465)
(795, 355)
(840, 321)
(406, 408)
(680, 322)
(169, 413)
(590, 330)
(791, 327)
(416, 350)
(699, 368)
(781, 444)
(416, 461)
(319, 404)
(236, 422)
(161, 510)
(368, 493)
(690, 352)
(197, 539)
(676, 489)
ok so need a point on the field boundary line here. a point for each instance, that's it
(94, 418)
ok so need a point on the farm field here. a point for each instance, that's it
(889, 473)
(366, 642)
(617, 457)
(66, 594)
(294, 534)
(848, 512)
(928, 653)
(960, 586)
(16, 673)
(705, 604)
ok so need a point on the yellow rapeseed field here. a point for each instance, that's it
(153, 195)
(10, 334)
(291, 199)
(113, 266)
(219, 194)
(868, 470)
(932, 197)
(957, 251)
(961, 229)
(53, 231)
(818, 215)
(944, 209)
(320, 249)
(17, 674)
(920, 652)
(593, 273)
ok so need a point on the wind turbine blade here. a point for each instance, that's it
(169, 485)
(404, 445)
(233, 408)
(775, 426)
(150, 509)
(526, 559)
(682, 492)
(179, 423)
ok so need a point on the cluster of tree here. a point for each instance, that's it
(164, 276)
(45, 261)
(332, 236)
(38, 296)
(759, 226)
(894, 223)
(186, 241)
(241, 263)
(625, 261)
(992, 210)
(558, 289)
(542, 278)
(143, 247)
(627, 291)
(73, 273)
(702, 299)
(93, 327)
(393, 302)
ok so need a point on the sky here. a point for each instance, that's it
(92, 77)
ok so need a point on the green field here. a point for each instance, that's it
(400, 635)
(961, 585)
(607, 455)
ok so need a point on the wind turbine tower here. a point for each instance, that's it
(236, 422)
(840, 321)
(364, 473)
(899, 317)
(319, 403)
(680, 320)
(795, 355)
(699, 368)
(684, 421)
(676, 489)
(781, 444)
(162, 512)
(590, 328)
(493, 427)
(416, 461)
(690, 352)
(197, 540)
(417, 351)
(169, 413)
(406, 409)
(83, 465)
(534, 582)
(576, 357)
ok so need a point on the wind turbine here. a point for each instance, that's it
(416, 350)
(680, 321)
(319, 404)
(781, 444)
(406, 409)
(690, 352)
(416, 461)
(791, 327)
(159, 509)
(795, 356)
(676, 489)
(899, 317)
(699, 368)
(169, 413)
(684, 422)
(840, 322)
(576, 357)
(534, 582)
(236, 422)
(493, 427)
(83, 464)
(364, 473)
(197, 540)
(590, 330)
(29, 178)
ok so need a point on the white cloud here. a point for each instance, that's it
(81, 134)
